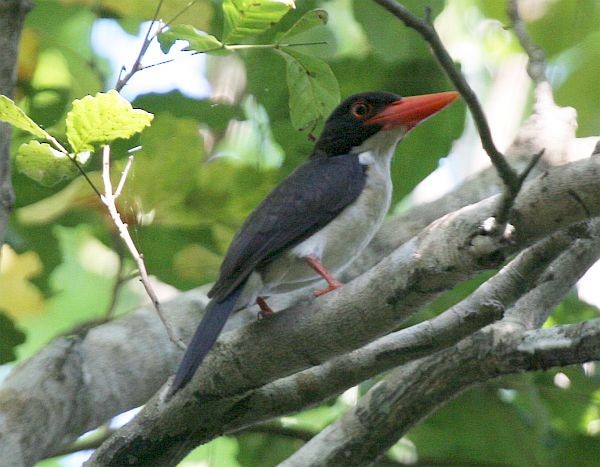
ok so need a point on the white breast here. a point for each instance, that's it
(340, 241)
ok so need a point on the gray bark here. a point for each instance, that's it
(12, 14)
(78, 382)
(411, 393)
(448, 251)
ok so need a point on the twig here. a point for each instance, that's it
(426, 29)
(238, 47)
(512, 181)
(108, 198)
(536, 67)
(145, 44)
(510, 194)
(124, 176)
(179, 13)
(119, 281)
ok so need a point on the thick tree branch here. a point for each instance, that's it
(122, 389)
(446, 253)
(139, 355)
(409, 394)
(12, 14)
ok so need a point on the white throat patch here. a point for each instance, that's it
(380, 147)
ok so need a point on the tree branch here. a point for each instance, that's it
(409, 393)
(108, 198)
(127, 360)
(446, 253)
(426, 29)
(12, 15)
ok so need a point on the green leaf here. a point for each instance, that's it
(10, 113)
(197, 40)
(10, 337)
(308, 21)
(45, 164)
(244, 18)
(313, 89)
(100, 119)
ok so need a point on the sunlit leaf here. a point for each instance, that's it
(45, 164)
(101, 119)
(197, 40)
(18, 295)
(10, 113)
(308, 21)
(313, 89)
(245, 18)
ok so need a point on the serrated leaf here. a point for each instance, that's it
(244, 18)
(13, 115)
(101, 119)
(44, 164)
(308, 21)
(197, 40)
(313, 89)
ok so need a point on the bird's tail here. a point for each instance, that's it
(204, 338)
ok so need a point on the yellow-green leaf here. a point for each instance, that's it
(197, 40)
(101, 119)
(10, 113)
(244, 18)
(45, 164)
(313, 88)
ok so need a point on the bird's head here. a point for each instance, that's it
(352, 125)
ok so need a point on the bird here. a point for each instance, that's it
(318, 219)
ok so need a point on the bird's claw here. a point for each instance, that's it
(331, 286)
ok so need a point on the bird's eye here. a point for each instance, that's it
(360, 109)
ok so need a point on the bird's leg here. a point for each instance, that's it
(265, 309)
(332, 282)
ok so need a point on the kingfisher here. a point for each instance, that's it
(318, 219)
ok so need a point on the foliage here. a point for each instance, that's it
(204, 164)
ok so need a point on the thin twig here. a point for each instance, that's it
(512, 181)
(120, 279)
(233, 47)
(124, 176)
(145, 44)
(73, 159)
(508, 198)
(426, 29)
(179, 13)
(536, 67)
(108, 198)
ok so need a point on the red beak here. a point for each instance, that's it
(410, 111)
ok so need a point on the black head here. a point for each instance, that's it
(363, 115)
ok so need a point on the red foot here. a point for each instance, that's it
(332, 286)
(265, 309)
(332, 282)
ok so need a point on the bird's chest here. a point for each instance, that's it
(342, 239)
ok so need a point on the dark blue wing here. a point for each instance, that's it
(304, 202)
